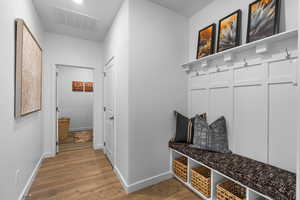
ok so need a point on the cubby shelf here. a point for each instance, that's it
(216, 178)
(260, 45)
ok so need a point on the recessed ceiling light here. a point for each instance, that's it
(78, 1)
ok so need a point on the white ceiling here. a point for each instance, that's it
(92, 19)
(184, 7)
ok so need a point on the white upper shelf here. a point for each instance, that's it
(260, 45)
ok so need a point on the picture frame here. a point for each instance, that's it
(206, 41)
(77, 86)
(260, 23)
(89, 86)
(229, 34)
(28, 71)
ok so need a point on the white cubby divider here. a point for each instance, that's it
(216, 178)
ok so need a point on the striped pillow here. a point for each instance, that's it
(191, 127)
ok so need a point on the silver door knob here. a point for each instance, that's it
(112, 118)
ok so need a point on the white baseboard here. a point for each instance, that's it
(48, 155)
(121, 178)
(26, 189)
(143, 183)
(81, 129)
(98, 146)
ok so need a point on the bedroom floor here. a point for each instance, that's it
(70, 143)
(86, 174)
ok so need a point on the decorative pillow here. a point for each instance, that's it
(211, 137)
(185, 128)
(191, 129)
(182, 127)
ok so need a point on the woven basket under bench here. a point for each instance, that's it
(201, 180)
(180, 168)
(229, 190)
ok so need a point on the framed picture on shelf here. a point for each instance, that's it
(263, 19)
(206, 41)
(229, 31)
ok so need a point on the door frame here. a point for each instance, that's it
(56, 138)
(110, 64)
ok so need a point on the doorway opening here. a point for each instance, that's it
(74, 108)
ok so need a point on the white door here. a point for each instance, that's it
(109, 113)
(57, 112)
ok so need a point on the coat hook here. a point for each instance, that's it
(175, 113)
(288, 55)
(245, 62)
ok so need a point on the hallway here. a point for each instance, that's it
(86, 174)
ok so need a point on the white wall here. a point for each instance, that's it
(116, 45)
(157, 86)
(71, 51)
(21, 139)
(218, 9)
(148, 43)
(78, 106)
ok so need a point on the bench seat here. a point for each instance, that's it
(271, 181)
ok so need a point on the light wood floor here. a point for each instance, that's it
(70, 145)
(86, 175)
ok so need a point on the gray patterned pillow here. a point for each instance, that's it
(211, 137)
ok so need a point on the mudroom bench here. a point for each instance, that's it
(258, 180)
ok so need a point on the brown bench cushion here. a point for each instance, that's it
(271, 181)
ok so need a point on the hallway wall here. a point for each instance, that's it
(78, 106)
(21, 139)
(65, 50)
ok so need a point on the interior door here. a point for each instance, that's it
(57, 113)
(109, 113)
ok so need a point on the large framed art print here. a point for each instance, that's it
(229, 31)
(206, 41)
(28, 71)
(263, 19)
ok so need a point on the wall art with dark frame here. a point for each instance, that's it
(263, 19)
(229, 31)
(206, 41)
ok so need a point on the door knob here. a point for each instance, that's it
(112, 118)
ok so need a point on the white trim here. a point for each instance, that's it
(142, 183)
(149, 181)
(32, 177)
(81, 129)
(98, 146)
(121, 178)
(54, 136)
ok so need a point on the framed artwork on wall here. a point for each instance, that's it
(28, 71)
(229, 31)
(206, 41)
(88, 86)
(77, 86)
(263, 19)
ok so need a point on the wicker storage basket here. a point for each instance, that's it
(63, 129)
(180, 168)
(201, 180)
(229, 190)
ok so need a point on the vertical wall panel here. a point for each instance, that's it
(250, 122)
(221, 105)
(283, 116)
(199, 102)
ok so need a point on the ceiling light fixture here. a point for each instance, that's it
(78, 1)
